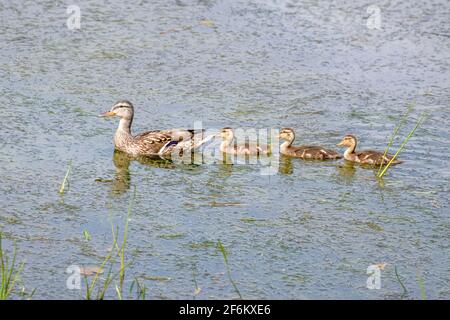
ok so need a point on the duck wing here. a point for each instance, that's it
(375, 157)
(183, 141)
(314, 152)
(151, 142)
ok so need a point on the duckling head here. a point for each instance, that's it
(123, 109)
(287, 134)
(348, 141)
(226, 134)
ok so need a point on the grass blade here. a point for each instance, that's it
(225, 257)
(400, 281)
(419, 122)
(9, 272)
(395, 132)
(63, 183)
(423, 292)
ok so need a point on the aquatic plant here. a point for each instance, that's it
(222, 249)
(65, 180)
(420, 282)
(141, 289)
(111, 260)
(423, 292)
(9, 272)
(405, 291)
(382, 170)
(395, 132)
(87, 236)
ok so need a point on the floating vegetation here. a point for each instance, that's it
(205, 23)
(226, 204)
(104, 180)
(156, 278)
(202, 245)
(222, 249)
(172, 236)
(374, 226)
(87, 236)
(66, 178)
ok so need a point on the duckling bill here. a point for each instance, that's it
(366, 156)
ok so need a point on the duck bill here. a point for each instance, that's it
(341, 144)
(107, 114)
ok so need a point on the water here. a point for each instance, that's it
(309, 231)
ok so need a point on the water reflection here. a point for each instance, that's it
(286, 166)
(346, 171)
(121, 160)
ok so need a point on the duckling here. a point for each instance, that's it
(304, 152)
(228, 147)
(150, 143)
(364, 157)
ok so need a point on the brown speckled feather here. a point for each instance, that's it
(374, 157)
(312, 152)
(151, 142)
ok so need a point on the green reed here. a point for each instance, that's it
(382, 169)
(110, 259)
(225, 258)
(66, 178)
(423, 292)
(405, 291)
(9, 272)
(141, 289)
(420, 282)
(394, 134)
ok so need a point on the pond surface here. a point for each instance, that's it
(309, 231)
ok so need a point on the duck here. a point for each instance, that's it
(227, 146)
(162, 143)
(366, 156)
(304, 151)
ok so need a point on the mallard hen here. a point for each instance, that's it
(305, 151)
(364, 157)
(151, 143)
